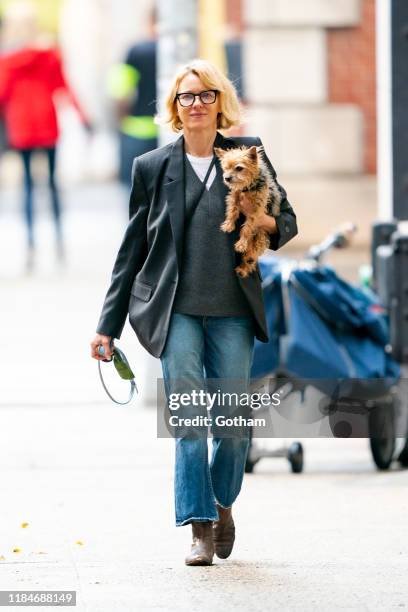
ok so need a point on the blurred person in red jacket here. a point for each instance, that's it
(30, 78)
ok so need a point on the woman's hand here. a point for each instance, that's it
(105, 342)
(263, 221)
(245, 205)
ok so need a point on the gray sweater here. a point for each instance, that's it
(207, 284)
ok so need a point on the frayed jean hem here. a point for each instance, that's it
(197, 519)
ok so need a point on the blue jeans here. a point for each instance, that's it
(199, 348)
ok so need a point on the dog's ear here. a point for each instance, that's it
(252, 153)
(219, 152)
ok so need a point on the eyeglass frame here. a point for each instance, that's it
(215, 91)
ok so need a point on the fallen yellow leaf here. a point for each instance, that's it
(79, 543)
(24, 525)
(16, 550)
(2, 557)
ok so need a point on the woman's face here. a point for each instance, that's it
(199, 115)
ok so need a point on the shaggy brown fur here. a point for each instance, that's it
(245, 171)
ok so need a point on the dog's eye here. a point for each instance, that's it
(239, 168)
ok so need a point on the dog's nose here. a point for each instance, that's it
(228, 179)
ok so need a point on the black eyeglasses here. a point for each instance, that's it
(206, 97)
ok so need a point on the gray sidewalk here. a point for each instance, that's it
(95, 485)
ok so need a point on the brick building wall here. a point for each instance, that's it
(234, 14)
(352, 76)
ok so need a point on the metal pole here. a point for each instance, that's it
(178, 44)
(399, 54)
(384, 110)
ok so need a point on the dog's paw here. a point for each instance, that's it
(242, 271)
(227, 226)
(241, 246)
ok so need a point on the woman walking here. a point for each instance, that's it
(175, 275)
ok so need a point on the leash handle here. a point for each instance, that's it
(124, 370)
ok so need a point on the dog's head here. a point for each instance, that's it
(240, 166)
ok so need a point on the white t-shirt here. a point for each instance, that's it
(201, 165)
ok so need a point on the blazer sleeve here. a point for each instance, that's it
(129, 260)
(286, 220)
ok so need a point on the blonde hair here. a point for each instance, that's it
(230, 109)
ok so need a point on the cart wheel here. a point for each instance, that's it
(403, 456)
(295, 457)
(381, 419)
(249, 465)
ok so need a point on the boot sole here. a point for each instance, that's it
(224, 555)
(199, 561)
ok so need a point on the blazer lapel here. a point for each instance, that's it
(175, 194)
(222, 143)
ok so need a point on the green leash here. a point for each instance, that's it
(123, 369)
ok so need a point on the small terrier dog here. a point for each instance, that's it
(244, 171)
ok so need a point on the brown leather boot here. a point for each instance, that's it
(202, 548)
(223, 533)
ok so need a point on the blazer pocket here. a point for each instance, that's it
(141, 290)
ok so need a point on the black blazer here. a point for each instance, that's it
(145, 275)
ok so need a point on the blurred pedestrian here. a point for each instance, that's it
(30, 78)
(132, 84)
(175, 275)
